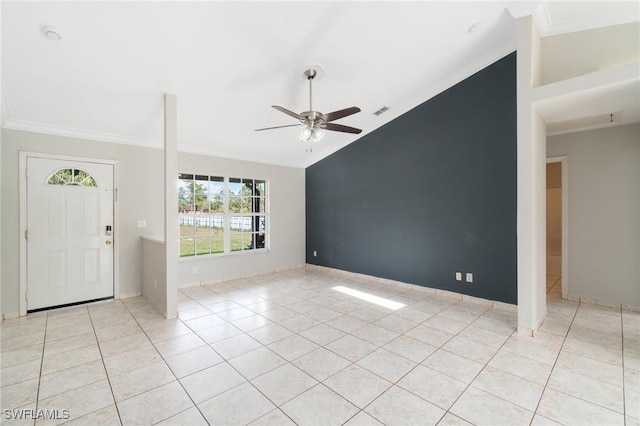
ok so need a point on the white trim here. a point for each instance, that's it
(22, 223)
(415, 287)
(547, 27)
(605, 303)
(564, 249)
(48, 129)
(522, 9)
(239, 277)
(585, 128)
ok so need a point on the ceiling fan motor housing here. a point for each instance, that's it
(312, 118)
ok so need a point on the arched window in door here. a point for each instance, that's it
(72, 177)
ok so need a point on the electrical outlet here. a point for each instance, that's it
(315, 253)
(458, 276)
(194, 270)
(469, 277)
(142, 223)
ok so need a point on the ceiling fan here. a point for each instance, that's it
(314, 122)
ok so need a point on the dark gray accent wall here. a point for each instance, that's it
(429, 194)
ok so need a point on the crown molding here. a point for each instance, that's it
(520, 9)
(547, 27)
(29, 126)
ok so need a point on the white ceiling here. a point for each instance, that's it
(228, 62)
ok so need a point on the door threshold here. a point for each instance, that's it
(66, 305)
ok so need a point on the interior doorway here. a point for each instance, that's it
(556, 228)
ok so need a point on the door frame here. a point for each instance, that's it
(24, 155)
(564, 248)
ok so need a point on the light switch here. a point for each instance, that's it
(142, 223)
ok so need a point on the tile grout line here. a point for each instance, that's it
(247, 380)
(44, 344)
(296, 333)
(167, 365)
(555, 362)
(428, 356)
(243, 332)
(141, 317)
(447, 411)
(378, 346)
(596, 379)
(106, 372)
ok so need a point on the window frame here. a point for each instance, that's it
(86, 180)
(227, 216)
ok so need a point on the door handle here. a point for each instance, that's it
(108, 242)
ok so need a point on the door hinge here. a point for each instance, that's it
(115, 194)
(26, 296)
(26, 172)
(26, 234)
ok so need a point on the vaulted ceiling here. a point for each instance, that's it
(228, 62)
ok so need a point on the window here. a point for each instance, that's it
(219, 215)
(72, 177)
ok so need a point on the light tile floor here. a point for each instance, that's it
(285, 348)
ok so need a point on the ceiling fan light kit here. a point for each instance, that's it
(314, 122)
(311, 134)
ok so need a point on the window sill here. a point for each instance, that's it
(187, 259)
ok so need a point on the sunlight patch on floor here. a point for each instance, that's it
(390, 304)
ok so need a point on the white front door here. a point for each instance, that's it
(69, 232)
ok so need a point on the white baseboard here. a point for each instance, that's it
(415, 287)
(605, 303)
(10, 315)
(155, 305)
(239, 277)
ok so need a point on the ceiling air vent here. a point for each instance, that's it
(381, 110)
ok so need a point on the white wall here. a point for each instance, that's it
(573, 54)
(286, 198)
(531, 184)
(604, 212)
(141, 196)
(154, 276)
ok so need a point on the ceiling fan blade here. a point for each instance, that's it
(339, 114)
(286, 111)
(340, 128)
(276, 127)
